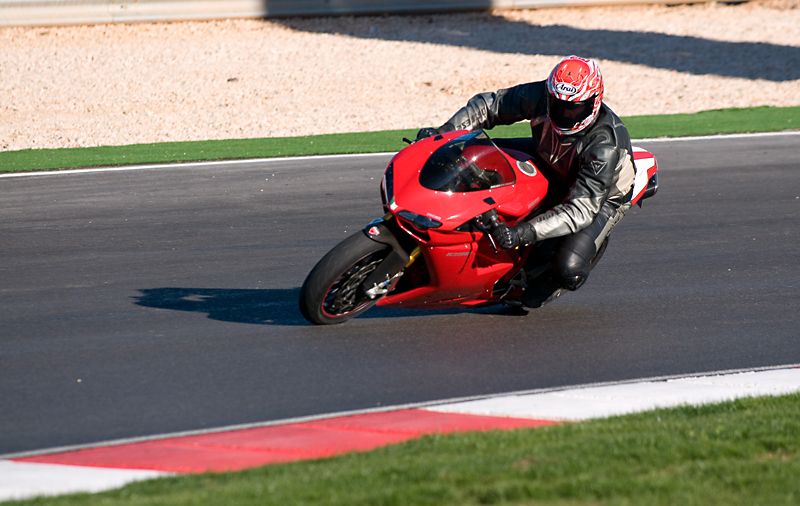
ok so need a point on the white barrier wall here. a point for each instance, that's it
(64, 12)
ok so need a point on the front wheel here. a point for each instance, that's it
(332, 291)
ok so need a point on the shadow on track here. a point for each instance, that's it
(271, 306)
(487, 32)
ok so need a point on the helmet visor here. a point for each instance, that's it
(568, 115)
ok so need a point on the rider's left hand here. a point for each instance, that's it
(426, 132)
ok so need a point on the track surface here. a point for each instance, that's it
(135, 303)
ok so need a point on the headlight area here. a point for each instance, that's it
(387, 186)
(419, 221)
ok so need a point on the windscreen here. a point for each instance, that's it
(468, 163)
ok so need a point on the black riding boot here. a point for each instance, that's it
(541, 290)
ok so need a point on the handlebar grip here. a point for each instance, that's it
(490, 221)
(492, 218)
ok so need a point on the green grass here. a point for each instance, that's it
(759, 119)
(743, 452)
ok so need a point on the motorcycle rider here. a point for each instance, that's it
(585, 151)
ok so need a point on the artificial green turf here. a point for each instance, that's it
(745, 452)
(759, 119)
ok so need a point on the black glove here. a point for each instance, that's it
(426, 132)
(511, 237)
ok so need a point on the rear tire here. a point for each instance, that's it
(332, 291)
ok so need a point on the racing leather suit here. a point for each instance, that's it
(591, 173)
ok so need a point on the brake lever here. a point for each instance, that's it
(491, 241)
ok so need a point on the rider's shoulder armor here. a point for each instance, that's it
(608, 130)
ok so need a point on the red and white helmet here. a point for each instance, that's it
(574, 94)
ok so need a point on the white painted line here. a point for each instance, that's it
(603, 401)
(19, 480)
(218, 163)
(192, 165)
(719, 137)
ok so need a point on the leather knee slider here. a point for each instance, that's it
(572, 266)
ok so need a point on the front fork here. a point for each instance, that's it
(386, 276)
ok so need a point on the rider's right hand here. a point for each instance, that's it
(426, 132)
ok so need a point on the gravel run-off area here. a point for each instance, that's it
(121, 84)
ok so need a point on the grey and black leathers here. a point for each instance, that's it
(595, 165)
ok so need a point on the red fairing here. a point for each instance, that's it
(462, 266)
(646, 168)
(433, 248)
(453, 209)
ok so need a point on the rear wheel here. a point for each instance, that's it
(332, 291)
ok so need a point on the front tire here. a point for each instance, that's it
(332, 291)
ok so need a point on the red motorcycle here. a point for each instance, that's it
(432, 248)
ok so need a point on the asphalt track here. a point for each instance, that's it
(144, 302)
